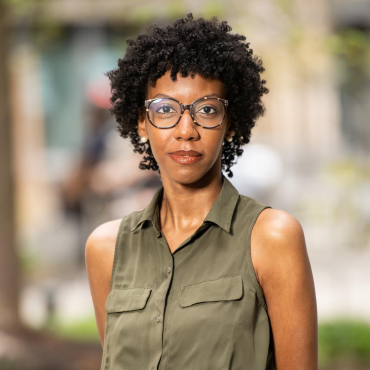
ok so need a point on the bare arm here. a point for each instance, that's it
(99, 255)
(284, 272)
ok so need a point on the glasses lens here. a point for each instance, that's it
(209, 112)
(164, 112)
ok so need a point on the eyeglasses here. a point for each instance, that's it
(206, 112)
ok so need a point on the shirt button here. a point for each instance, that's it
(169, 269)
(158, 318)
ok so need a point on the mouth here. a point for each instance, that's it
(186, 153)
(186, 157)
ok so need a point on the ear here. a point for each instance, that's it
(141, 129)
(230, 133)
(229, 130)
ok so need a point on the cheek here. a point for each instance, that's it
(213, 145)
(160, 142)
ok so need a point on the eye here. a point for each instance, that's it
(207, 110)
(165, 109)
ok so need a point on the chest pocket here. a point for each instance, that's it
(125, 325)
(228, 288)
(204, 322)
(120, 300)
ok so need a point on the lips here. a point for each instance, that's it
(187, 153)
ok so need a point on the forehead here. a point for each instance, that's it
(186, 89)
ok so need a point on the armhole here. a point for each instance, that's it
(116, 247)
(251, 267)
(105, 356)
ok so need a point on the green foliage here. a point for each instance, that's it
(81, 330)
(176, 9)
(348, 172)
(29, 262)
(22, 7)
(340, 341)
(6, 363)
(353, 47)
(284, 5)
(344, 341)
(212, 8)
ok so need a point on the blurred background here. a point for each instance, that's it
(65, 170)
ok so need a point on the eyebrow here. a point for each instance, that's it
(168, 96)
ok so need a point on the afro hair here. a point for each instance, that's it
(189, 46)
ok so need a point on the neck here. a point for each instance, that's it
(185, 206)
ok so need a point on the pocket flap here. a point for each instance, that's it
(224, 289)
(120, 300)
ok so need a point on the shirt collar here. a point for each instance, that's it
(221, 212)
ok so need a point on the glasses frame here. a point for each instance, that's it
(184, 107)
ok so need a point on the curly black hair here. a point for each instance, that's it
(188, 46)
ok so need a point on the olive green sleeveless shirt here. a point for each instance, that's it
(199, 308)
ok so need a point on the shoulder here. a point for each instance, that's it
(103, 236)
(278, 243)
(99, 257)
(276, 225)
(100, 245)
(285, 275)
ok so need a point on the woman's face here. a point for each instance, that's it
(186, 135)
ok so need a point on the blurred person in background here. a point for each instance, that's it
(184, 283)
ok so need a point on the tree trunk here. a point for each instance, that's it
(9, 283)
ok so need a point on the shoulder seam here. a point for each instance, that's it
(118, 239)
(251, 267)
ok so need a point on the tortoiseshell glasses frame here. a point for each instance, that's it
(187, 106)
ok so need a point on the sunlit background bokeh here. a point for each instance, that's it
(65, 170)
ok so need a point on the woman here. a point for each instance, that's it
(203, 277)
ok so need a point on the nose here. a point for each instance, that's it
(186, 108)
(186, 127)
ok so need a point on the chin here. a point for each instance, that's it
(189, 174)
